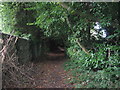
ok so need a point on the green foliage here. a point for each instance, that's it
(8, 19)
(98, 59)
(100, 69)
(14, 19)
(100, 79)
(70, 22)
(97, 70)
(51, 20)
(54, 23)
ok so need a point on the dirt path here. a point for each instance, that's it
(50, 72)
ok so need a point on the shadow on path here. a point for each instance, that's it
(50, 73)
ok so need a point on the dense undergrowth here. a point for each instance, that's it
(93, 63)
(99, 69)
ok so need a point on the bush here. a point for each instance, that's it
(100, 69)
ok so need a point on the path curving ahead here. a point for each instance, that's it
(51, 73)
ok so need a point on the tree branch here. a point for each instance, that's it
(83, 15)
(65, 6)
(83, 48)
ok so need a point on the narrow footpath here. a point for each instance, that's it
(49, 73)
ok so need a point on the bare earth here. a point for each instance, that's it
(49, 73)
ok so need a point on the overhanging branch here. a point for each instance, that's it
(83, 48)
(65, 6)
(91, 17)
